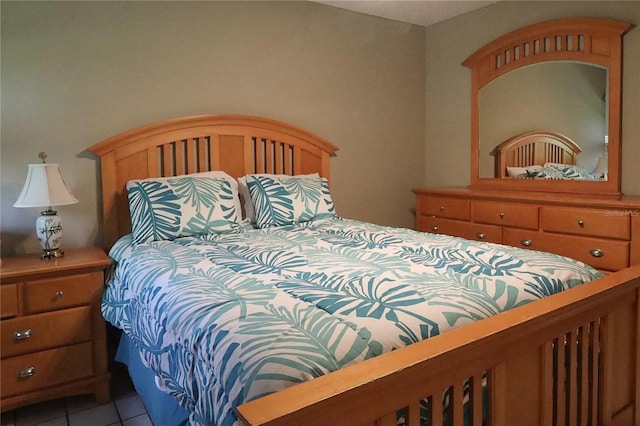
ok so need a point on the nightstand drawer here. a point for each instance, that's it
(8, 301)
(58, 293)
(43, 331)
(38, 370)
(608, 255)
(589, 222)
(452, 208)
(505, 214)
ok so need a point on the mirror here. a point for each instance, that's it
(561, 77)
(569, 98)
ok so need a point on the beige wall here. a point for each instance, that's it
(448, 83)
(75, 73)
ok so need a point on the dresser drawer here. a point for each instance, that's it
(452, 208)
(25, 373)
(505, 214)
(8, 301)
(59, 293)
(588, 222)
(608, 255)
(43, 331)
(468, 230)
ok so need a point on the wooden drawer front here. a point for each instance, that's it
(468, 230)
(46, 368)
(506, 214)
(452, 208)
(590, 222)
(8, 301)
(59, 293)
(43, 331)
(612, 256)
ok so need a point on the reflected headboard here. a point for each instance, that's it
(236, 144)
(535, 148)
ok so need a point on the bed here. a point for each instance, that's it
(539, 154)
(510, 344)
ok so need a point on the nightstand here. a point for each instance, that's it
(52, 333)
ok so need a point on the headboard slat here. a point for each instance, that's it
(236, 144)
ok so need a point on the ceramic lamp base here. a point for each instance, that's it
(49, 231)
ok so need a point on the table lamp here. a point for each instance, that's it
(602, 167)
(45, 187)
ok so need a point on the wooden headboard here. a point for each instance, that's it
(236, 144)
(535, 148)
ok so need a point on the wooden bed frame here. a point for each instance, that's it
(571, 358)
(535, 148)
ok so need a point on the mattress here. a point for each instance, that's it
(224, 319)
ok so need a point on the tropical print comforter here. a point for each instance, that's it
(224, 319)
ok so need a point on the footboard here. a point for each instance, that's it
(570, 359)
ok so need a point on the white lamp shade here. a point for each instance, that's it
(602, 166)
(44, 187)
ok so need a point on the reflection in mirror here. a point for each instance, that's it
(566, 97)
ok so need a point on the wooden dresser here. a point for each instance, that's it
(51, 329)
(602, 232)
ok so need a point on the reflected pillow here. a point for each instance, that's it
(546, 173)
(285, 200)
(181, 206)
(570, 171)
(521, 171)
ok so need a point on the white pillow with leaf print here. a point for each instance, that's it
(245, 198)
(284, 200)
(181, 206)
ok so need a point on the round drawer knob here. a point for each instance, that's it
(441, 208)
(526, 242)
(434, 228)
(581, 223)
(596, 252)
(26, 372)
(481, 235)
(501, 215)
(59, 294)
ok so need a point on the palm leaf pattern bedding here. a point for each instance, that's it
(224, 319)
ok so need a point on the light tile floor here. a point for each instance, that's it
(124, 409)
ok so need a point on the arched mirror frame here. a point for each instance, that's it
(594, 41)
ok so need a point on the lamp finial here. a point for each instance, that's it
(43, 157)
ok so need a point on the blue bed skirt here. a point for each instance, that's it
(162, 408)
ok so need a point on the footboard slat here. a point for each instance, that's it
(572, 374)
(595, 369)
(548, 387)
(561, 380)
(435, 402)
(458, 404)
(553, 362)
(413, 414)
(584, 347)
(476, 398)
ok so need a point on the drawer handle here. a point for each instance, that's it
(441, 208)
(58, 295)
(596, 252)
(581, 223)
(526, 242)
(26, 372)
(481, 235)
(501, 215)
(434, 228)
(22, 334)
